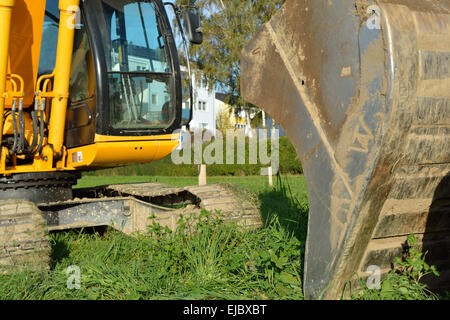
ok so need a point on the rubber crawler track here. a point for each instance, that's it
(23, 236)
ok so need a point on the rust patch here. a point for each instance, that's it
(361, 9)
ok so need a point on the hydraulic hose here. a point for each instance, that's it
(34, 117)
(21, 146)
(13, 114)
(41, 127)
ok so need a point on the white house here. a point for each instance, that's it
(240, 121)
(204, 114)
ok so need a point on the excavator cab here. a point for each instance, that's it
(91, 84)
(97, 85)
(123, 78)
(125, 75)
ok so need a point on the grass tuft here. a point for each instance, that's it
(404, 281)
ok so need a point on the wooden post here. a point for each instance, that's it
(202, 175)
(270, 176)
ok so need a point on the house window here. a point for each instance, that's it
(202, 106)
(154, 99)
(201, 83)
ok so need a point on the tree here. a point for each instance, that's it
(223, 121)
(228, 25)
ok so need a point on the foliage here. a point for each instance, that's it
(223, 120)
(228, 25)
(288, 161)
(404, 281)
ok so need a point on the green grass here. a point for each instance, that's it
(256, 184)
(404, 282)
(216, 263)
(219, 261)
(288, 164)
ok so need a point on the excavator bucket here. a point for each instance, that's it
(362, 89)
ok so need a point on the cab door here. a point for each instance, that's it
(81, 112)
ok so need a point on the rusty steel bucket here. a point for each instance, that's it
(362, 89)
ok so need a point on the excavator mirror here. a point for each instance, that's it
(193, 26)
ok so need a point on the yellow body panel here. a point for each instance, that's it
(25, 44)
(6, 7)
(101, 138)
(101, 155)
(110, 154)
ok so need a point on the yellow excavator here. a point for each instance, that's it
(85, 85)
(362, 89)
